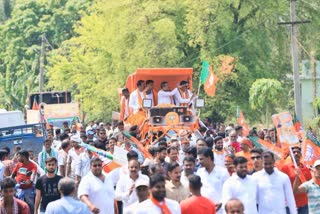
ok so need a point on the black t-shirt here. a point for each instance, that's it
(100, 144)
(49, 190)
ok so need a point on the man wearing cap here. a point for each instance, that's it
(142, 189)
(245, 146)
(73, 156)
(311, 188)
(126, 189)
(219, 151)
(305, 175)
(158, 203)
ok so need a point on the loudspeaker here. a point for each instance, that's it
(157, 120)
(186, 119)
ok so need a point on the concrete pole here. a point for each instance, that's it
(295, 62)
(41, 68)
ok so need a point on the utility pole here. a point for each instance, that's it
(295, 63)
(41, 68)
(295, 58)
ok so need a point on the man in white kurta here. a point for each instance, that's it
(212, 176)
(137, 96)
(241, 186)
(96, 189)
(183, 96)
(274, 188)
(125, 190)
(157, 202)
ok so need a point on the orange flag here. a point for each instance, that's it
(210, 84)
(310, 152)
(241, 122)
(35, 105)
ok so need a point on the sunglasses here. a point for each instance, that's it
(97, 165)
(256, 157)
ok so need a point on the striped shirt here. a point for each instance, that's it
(313, 192)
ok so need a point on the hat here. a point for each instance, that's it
(142, 182)
(90, 132)
(75, 138)
(316, 163)
(229, 128)
(101, 124)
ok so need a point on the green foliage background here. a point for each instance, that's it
(94, 45)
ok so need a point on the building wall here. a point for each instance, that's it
(306, 81)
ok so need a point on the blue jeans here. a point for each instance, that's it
(29, 197)
(301, 210)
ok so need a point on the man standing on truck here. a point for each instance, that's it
(137, 96)
(184, 95)
(124, 104)
(151, 93)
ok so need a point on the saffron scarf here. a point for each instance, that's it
(140, 98)
(164, 208)
(15, 209)
(184, 95)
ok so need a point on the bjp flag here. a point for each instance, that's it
(210, 84)
(310, 152)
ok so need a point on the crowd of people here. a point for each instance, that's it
(221, 172)
(215, 169)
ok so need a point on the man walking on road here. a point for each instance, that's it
(47, 186)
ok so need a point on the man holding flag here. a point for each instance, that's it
(311, 188)
(305, 175)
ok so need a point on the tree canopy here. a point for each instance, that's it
(95, 45)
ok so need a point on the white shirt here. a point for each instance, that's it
(212, 183)
(150, 96)
(147, 207)
(123, 187)
(166, 97)
(2, 168)
(184, 179)
(134, 101)
(274, 193)
(73, 158)
(178, 99)
(40, 171)
(40, 158)
(56, 144)
(101, 194)
(219, 158)
(243, 189)
(83, 165)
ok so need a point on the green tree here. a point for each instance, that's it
(266, 95)
(20, 43)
